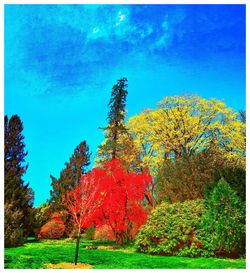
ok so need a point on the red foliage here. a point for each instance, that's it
(57, 217)
(112, 196)
(54, 229)
(124, 192)
(84, 201)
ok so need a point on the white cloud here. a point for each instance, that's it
(120, 18)
(95, 30)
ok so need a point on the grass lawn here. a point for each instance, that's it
(47, 253)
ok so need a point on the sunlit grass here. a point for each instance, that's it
(56, 253)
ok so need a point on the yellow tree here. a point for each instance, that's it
(185, 125)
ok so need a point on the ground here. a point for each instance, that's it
(101, 254)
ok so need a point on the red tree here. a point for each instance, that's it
(83, 203)
(109, 195)
(122, 207)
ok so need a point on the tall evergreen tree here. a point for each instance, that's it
(116, 116)
(18, 197)
(71, 174)
(14, 157)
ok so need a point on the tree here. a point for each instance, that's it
(116, 116)
(225, 221)
(188, 177)
(108, 196)
(124, 192)
(17, 195)
(70, 175)
(14, 157)
(185, 125)
(83, 202)
(13, 226)
(235, 177)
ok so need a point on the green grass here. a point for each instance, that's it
(35, 254)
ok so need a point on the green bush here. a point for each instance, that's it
(13, 230)
(224, 220)
(175, 229)
(90, 232)
(235, 177)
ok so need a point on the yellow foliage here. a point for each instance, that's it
(187, 124)
(180, 125)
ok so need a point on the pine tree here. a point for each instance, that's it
(18, 197)
(71, 174)
(115, 118)
(14, 157)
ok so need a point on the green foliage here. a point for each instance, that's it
(43, 213)
(70, 175)
(116, 116)
(224, 220)
(175, 229)
(14, 157)
(235, 177)
(38, 254)
(13, 230)
(90, 232)
(16, 191)
(185, 178)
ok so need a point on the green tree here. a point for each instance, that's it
(13, 226)
(18, 197)
(225, 220)
(235, 177)
(70, 175)
(187, 177)
(115, 128)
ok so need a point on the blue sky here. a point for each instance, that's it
(61, 62)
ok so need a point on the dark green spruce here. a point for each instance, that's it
(71, 174)
(115, 119)
(18, 197)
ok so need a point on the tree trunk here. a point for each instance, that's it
(77, 246)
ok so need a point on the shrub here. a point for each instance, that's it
(43, 215)
(104, 232)
(90, 232)
(235, 177)
(13, 230)
(54, 229)
(224, 220)
(175, 229)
